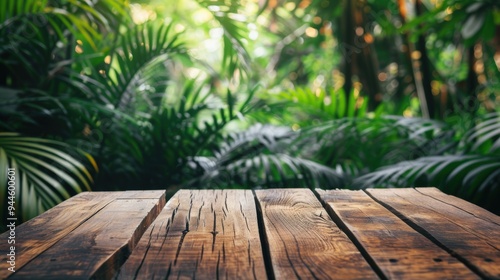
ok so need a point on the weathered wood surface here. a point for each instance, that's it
(399, 251)
(304, 242)
(85, 235)
(470, 237)
(201, 234)
(277, 234)
(36, 235)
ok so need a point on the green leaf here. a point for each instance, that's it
(473, 24)
(44, 173)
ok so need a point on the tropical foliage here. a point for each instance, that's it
(112, 95)
(43, 174)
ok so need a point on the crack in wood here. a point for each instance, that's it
(224, 252)
(321, 216)
(249, 252)
(167, 275)
(199, 215)
(145, 253)
(175, 212)
(217, 267)
(167, 227)
(214, 232)
(224, 212)
(202, 251)
(290, 260)
(189, 210)
(241, 209)
(225, 202)
(187, 226)
(253, 271)
(244, 216)
(184, 233)
(303, 261)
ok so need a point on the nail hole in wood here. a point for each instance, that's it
(437, 260)
(393, 260)
(488, 260)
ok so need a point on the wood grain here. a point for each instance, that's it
(36, 235)
(201, 234)
(398, 250)
(304, 243)
(473, 239)
(473, 209)
(102, 229)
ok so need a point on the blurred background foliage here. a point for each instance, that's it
(145, 94)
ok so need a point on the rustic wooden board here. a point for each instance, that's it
(36, 235)
(398, 250)
(473, 209)
(304, 243)
(109, 227)
(472, 239)
(202, 234)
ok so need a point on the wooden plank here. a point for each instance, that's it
(474, 240)
(398, 250)
(202, 234)
(40, 233)
(473, 209)
(304, 243)
(36, 235)
(97, 246)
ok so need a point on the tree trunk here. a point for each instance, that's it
(347, 46)
(472, 82)
(367, 63)
(358, 58)
(425, 73)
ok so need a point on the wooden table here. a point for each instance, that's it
(279, 234)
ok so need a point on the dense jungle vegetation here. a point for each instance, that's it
(157, 94)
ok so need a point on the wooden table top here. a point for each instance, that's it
(243, 234)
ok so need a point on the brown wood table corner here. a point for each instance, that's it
(407, 233)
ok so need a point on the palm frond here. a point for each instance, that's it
(258, 157)
(137, 65)
(473, 177)
(332, 103)
(484, 138)
(250, 142)
(29, 17)
(189, 124)
(361, 145)
(267, 171)
(45, 175)
(309, 107)
(233, 22)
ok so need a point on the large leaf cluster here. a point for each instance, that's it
(384, 151)
(44, 173)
